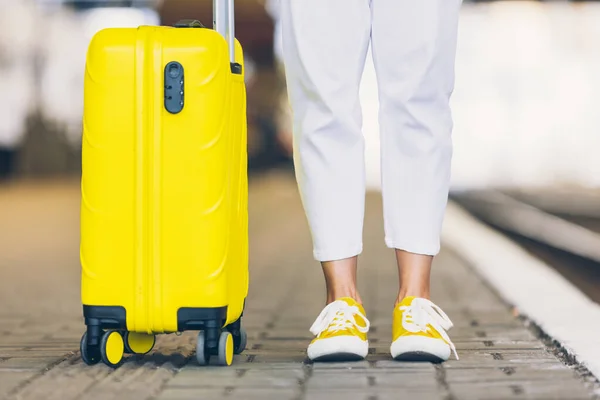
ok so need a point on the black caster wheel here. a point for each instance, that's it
(126, 348)
(89, 354)
(225, 355)
(138, 343)
(202, 355)
(112, 348)
(240, 342)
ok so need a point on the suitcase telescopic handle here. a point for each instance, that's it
(224, 23)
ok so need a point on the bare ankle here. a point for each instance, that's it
(340, 279)
(414, 271)
(338, 294)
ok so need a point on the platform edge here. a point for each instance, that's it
(537, 291)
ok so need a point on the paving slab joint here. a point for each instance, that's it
(440, 377)
(307, 371)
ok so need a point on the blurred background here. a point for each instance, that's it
(43, 45)
(525, 104)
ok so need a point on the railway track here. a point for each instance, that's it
(562, 229)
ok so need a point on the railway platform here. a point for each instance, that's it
(502, 356)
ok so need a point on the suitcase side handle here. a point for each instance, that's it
(224, 23)
(189, 23)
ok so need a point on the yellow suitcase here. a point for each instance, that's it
(164, 231)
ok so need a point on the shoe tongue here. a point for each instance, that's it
(351, 302)
(407, 301)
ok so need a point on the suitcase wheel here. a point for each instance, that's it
(225, 355)
(112, 348)
(240, 343)
(224, 351)
(202, 355)
(89, 354)
(138, 343)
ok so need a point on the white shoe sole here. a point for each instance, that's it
(341, 348)
(420, 348)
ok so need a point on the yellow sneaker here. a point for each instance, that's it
(341, 332)
(419, 332)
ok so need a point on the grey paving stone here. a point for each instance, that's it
(491, 333)
(176, 393)
(10, 380)
(380, 356)
(272, 357)
(373, 393)
(340, 365)
(410, 393)
(266, 345)
(286, 333)
(494, 359)
(195, 376)
(65, 381)
(401, 379)
(508, 374)
(271, 366)
(502, 344)
(496, 318)
(131, 382)
(262, 349)
(44, 354)
(28, 363)
(341, 394)
(295, 375)
(259, 394)
(338, 380)
(407, 367)
(246, 378)
(522, 390)
(11, 351)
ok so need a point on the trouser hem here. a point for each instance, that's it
(431, 250)
(337, 254)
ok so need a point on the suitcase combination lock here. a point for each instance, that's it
(174, 88)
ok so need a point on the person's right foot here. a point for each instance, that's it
(341, 332)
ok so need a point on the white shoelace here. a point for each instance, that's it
(423, 312)
(338, 316)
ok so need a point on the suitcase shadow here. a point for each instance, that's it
(177, 360)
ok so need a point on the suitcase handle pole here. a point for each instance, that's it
(224, 23)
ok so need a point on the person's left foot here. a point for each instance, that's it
(419, 332)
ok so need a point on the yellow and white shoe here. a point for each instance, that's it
(341, 332)
(419, 332)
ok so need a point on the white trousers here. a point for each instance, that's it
(413, 42)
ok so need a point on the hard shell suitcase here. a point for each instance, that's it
(164, 220)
